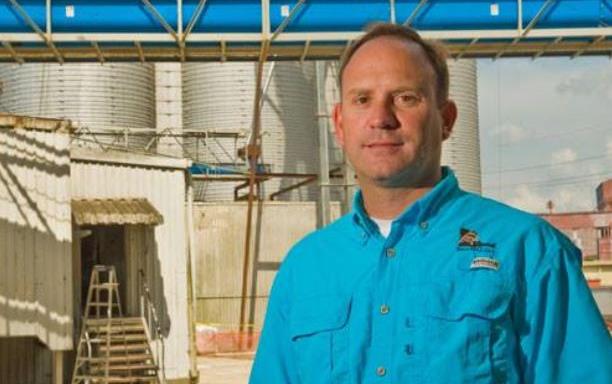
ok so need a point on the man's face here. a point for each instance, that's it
(389, 121)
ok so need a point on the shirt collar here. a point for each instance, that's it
(421, 211)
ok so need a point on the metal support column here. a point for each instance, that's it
(349, 186)
(323, 119)
(253, 152)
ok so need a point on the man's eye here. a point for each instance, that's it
(406, 99)
(360, 99)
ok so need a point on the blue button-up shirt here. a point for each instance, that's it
(463, 290)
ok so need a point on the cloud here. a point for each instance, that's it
(510, 132)
(565, 199)
(586, 83)
(564, 155)
(527, 200)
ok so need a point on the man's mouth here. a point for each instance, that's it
(383, 144)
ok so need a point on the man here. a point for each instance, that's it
(423, 282)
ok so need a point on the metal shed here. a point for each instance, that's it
(132, 213)
(36, 311)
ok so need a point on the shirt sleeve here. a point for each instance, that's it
(274, 361)
(563, 337)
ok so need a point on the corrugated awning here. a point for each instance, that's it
(115, 212)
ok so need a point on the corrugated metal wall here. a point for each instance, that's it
(165, 190)
(220, 232)
(24, 361)
(35, 237)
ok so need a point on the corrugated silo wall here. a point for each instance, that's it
(36, 294)
(462, 150)
(95, 97)
(218, 97)
(164, 188)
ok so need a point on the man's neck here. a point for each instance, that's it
(384, 203)
(388, 203)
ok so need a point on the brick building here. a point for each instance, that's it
(590, 231)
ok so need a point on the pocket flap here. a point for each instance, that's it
(481, 295)
(318, 314)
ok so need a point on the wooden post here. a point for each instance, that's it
(58, 367)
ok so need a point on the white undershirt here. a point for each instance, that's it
(384, 226)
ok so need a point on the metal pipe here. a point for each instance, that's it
(253, 154)
(287, 19)
(537, 17)
(265, 20)
(160, 18)
(322, 117)
(292, 187)
(194, 19)
(48, 18)
(519, 17)
(47, 39)
(349, 185)
(191, 304)
(414, 13)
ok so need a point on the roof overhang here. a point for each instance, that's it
(129, 211)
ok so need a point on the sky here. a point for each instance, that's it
(545, 130)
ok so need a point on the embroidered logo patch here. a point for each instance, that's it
(469, 238)
(485, 262)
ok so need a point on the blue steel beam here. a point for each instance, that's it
(235, 30)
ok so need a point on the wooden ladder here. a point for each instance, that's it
(112, 348)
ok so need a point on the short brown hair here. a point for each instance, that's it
(435, 53)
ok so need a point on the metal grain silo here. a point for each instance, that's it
(98, 97)
(218, 99)
(462, 150)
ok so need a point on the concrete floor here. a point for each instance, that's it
(226, 369)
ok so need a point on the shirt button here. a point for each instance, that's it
(408, 349)
(390, 252)
(424, 225)
(384, 309)
(381, 371)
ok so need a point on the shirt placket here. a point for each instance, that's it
(384, 313)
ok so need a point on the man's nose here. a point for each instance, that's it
(382, 116)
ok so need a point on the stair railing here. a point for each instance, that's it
(149, 313)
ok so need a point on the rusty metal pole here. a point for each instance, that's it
(253, 153)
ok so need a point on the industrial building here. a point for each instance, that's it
(64, 211)
(590, 231)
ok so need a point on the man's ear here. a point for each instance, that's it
(449, 116)
(338, 128)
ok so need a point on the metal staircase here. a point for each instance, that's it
(112, 348)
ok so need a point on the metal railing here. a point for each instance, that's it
(149, 314)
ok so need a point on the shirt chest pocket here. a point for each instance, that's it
(462, 317)
(319, 338)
